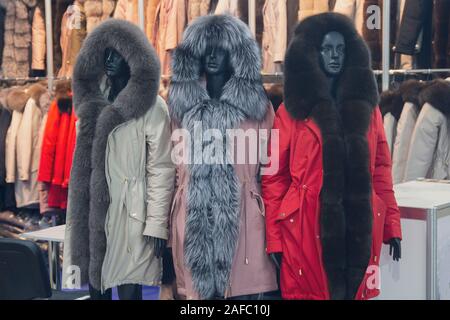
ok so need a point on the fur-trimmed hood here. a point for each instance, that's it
(18, 97)
(244, 90)
(98, 118)
(346, 210)
(437, 94)
(391, 102)
(410, 91)
(306, 85)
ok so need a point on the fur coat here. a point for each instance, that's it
(17, 47)
(98, 11)
(331, 204)
(89, 197)
(218, 215)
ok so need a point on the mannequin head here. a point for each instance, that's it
(332, 54)
(216, 61)
(217, 68)
(115, 64)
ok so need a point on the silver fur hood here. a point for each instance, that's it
(244, 90)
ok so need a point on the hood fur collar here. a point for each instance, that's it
(243, 91)
(18, 97)
(346, 208)
(410, 91)
(437, 94)
(391, 102)
(98, 118)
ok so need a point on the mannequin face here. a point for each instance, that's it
(115, 64)
(332, 53)
(216, 61)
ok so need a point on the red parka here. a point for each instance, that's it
(330, 202)
(57, 153)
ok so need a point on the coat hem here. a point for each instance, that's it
(128, 282)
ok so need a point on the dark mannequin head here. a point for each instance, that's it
(216, 61)
(117, 71)
(217, 69)
(115, 64)
(332, 54)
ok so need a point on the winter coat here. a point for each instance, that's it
(441, 42)
(22, 153)
(416, 24)
(391, 106)
(198, 8)
(223, 256)
(7, 199)
(275, 34)
(330, 232)
(228, 7)
(73, 33)
(128, 10)
(410, 94)
(98, 11)
(429, 153)
(309, 8)
(171, 20)
(17, 48)
(122, 175)
(38, 39)
(57, 147)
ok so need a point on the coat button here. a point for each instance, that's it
(379, 214)
(300, 272)
(292, 220)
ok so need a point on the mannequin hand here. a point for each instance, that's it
(160, 246)
(395, 250)
(277, 258)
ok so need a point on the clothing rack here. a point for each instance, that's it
(412, 71)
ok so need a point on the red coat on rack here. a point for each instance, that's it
(57, 150)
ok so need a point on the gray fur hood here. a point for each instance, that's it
(244, 90)
(88, 193)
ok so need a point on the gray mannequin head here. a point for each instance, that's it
(115, 64)
(332, 54)
(216, 61)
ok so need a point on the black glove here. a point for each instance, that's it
(160, 246)
(277, 258)
(395, 250)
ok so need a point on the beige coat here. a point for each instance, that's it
(128, 10)
(171, 20)
(309, 8)
(39, 43)
(98, 11)
(354, 9)
(275, 34)
(73, 33)
(22, 144)
(198, 8)
(228, 6)
(141, 190)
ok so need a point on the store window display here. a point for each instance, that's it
(217, 238)
(117, 223)
(331, 204)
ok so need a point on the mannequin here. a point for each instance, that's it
(332, 59)
(217, 221)
(118, 73)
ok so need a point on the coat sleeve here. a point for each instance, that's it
(281, 38)
(346, 7)
(382, 182)
(24, 142)
(423, 143)
(38, 42)
(48, 150)
(276, 184)
(160, 173)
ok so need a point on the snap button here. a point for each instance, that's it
(300, 272)
(292, 220)
(283, 215)
(305, 187)
(379, 214)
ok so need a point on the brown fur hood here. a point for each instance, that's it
(18, 97)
